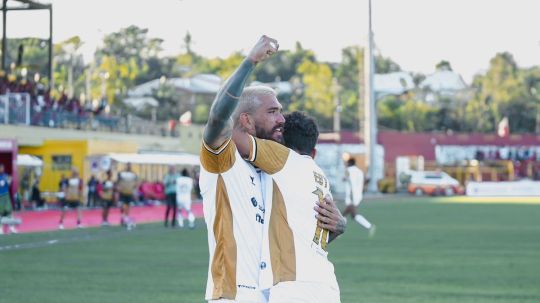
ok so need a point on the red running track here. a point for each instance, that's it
(46, 220)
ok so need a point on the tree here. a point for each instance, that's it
(124, 56)
(501, 92)
(34, 56)
(283, 65)
(318, 95)
(69, 69)
(385, 65)
(443, 65)
(347, 73)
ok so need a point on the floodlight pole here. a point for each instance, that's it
(51, 73)
(370, 129)
(4, 36)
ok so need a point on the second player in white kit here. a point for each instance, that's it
(184, 188)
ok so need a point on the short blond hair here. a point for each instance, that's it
(249, 100)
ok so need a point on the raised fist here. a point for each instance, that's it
(264, 48)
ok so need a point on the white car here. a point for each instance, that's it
(433, 183)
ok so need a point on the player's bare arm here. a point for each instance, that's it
(219, 126)
(330, 218)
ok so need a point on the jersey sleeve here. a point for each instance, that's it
(268, 155)
(218, 160)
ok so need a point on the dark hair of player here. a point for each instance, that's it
(300, 132)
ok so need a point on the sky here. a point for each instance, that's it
(416, 34)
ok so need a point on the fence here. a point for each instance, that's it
(18, 108)
(15, 108)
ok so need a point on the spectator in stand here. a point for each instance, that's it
(73, 197)
(170, 195)
(106, 194)
(92, 191)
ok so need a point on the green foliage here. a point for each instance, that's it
(130, 57)
(347, 74)
(318, 99)
(123, 57)
(385, 65)
(201, 113)
(283, 65)
(67, 59)
(443, 65)
(408, 114)
(504, 91)
(35, 56)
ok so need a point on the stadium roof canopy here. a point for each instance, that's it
(444, 80)
(395, 83)
(157, 158)
(28, 160)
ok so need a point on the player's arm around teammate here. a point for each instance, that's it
(329, 217)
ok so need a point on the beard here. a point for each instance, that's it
(262, 133)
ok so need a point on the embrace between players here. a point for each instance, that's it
(267, 205)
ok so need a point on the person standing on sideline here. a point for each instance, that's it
(127, 184)
(73, 196)
(35, 195)
(6, 208)
(105, 192)
(354, 189)
(92, 192)
(184, 188)
(170, 195)
(62, 185)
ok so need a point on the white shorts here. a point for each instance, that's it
(348, 197)
(184, 204)
(303, 292)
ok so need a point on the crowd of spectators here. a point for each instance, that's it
(46, 110)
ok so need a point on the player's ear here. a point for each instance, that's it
(246, 121)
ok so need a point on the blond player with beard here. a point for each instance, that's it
(234, 192)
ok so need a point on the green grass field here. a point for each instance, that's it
(422, 252)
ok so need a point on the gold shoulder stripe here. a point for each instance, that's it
(270, 156)
(223, 266)
(219, 149)
(220, 160)
(282, 250)
(253, 150)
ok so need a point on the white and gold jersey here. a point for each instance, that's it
(295, 249)
(234, 213)
(354, 185)
(73, 190)
(184, 186)
(127, 182)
